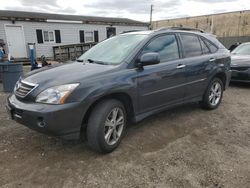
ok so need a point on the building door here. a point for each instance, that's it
(15, 41)
(111, 31)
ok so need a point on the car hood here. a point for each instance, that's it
(240, 60)
(66, 73)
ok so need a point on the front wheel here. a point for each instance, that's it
(106, 126)
(213, 95)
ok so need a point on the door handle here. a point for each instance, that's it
(181, 66)
(212, 60)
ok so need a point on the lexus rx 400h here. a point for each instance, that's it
(123, 79)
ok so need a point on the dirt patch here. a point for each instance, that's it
(183, 147)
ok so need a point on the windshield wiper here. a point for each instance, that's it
(79, 60)
(96, 62)
(92, 61)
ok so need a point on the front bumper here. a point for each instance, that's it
(241, 75)
(56, 120)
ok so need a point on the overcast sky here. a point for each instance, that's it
(134, 9)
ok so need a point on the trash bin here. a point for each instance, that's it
(1, 75)
(10, 72)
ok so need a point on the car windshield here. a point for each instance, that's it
(243, 49)
(113, 50)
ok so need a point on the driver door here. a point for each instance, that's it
(162, 84)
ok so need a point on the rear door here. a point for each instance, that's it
(162, 84)
(197, 58)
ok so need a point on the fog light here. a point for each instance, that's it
(41, 123)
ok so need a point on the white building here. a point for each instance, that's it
(17, 29)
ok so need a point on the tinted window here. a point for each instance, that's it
(204, 47)
(211, 46)
(166, 46)
(191, 45)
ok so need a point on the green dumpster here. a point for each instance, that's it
(10, 73)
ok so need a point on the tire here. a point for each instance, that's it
(104, 132)
(213, 97)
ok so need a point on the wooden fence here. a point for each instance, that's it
(70, 52)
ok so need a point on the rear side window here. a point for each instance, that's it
(191, 45)
(204, 47)
(166, 46)
(211, 46)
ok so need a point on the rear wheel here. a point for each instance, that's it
(213, 96)
(106, 126)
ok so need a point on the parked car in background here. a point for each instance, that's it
(124, 78)
(235, 45)
(240, 65)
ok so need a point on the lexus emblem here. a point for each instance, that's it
(17, 86)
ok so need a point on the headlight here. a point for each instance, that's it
(57, 94)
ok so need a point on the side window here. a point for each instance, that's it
(211, 46)
(204, 47)
(166, 46)
(191, 45)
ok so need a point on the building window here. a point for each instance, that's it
(49, 36)
(89, 36)
(111, 31)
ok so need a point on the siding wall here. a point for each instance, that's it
(228, 27)
(69, 33)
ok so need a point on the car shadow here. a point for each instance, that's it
(157, 131)
(240, 85)
(151, 134)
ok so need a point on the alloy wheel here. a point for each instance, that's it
(114, 125)
(215, 93)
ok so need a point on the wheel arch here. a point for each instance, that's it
(124, 98)
(223, 77)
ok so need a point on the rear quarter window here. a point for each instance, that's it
(210, 45)
(204, 47)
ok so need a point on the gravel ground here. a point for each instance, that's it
(183, 147)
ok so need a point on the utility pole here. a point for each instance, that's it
(151, 14)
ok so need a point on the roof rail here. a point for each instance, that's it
(181, 28)
(129, 31)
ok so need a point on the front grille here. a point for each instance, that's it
(240, 68)
(22, 88)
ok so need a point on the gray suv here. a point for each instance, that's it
(123, 79)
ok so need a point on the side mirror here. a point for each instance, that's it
(151, 58)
